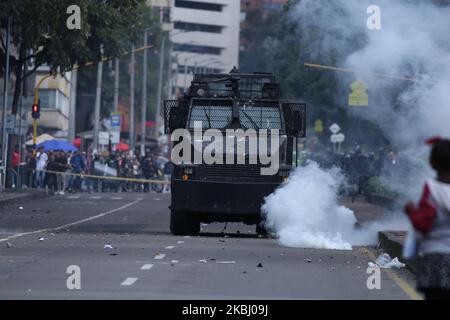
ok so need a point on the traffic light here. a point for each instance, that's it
(36, 111)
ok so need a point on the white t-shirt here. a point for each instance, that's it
(41, 161)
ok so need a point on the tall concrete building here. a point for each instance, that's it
(54, 94)
(205, 39)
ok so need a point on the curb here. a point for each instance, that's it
(392, 243)
(21, 197)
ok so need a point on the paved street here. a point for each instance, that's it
(40, 238)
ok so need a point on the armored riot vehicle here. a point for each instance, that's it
(239, 106)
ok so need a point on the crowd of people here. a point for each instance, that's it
(61, 172)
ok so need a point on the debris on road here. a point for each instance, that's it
(259, 265)
(220, 240)
(8, 245)
(202, 261)
(108, 246)
(175, 261)
(113, 254)
(41, 239)
(226, 262)
(385, 261)
(309, 260)
(20, 208)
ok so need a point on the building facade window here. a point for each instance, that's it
(198, 49)
(198, 5)
(187, 26)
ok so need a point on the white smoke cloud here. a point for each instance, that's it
(413, 42)
(306, 213)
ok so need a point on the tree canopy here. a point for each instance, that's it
(40, 35)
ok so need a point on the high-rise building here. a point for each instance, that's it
(205, 39)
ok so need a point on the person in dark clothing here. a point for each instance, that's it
(61, 166)
(148, 170)
(78, 167)
(50, 177)
(31, 169)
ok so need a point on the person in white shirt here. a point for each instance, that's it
(41, 164)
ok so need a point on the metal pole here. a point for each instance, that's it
(98, 96)
(116, 85)
(185, 73)
(132, 117)
(160, 80)
(144, 98)
(73, 103)
(170, 74)
(5, 102)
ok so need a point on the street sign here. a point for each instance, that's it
(9, 124)
(338, 138)
(115, 137)
(116, 121)
(359, 96)
(318, 126)
(103, 138)
(335, 128)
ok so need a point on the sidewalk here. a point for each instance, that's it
(10, 196)
(391, 241)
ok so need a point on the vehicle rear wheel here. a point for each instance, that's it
(183, 223)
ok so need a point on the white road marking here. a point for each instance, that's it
(73, 197)
(186, 237)
(180, 242)
(116, 198)
(147, 266)
(160, 256)
(103, 214)
(129, 281)
(170, 247)
(95, 197)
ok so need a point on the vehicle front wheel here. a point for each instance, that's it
(183, 223)
(261, 229)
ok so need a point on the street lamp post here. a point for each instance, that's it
(5, 102)
(132, 117)
(144, 98)
(160, 80)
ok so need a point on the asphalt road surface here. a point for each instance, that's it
(122, 246)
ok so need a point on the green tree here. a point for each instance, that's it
(40, 34)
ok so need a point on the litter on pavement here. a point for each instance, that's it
(41, 239)
(226, 262)
(202, 261)
(108, 246)
(385, 261)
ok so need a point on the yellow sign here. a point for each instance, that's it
(318, 127)
(359, 96)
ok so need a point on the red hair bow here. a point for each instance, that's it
(433, 140)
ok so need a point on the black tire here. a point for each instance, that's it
(261, 229)
(183, 223)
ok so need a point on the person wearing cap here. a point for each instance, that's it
(431, 220)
